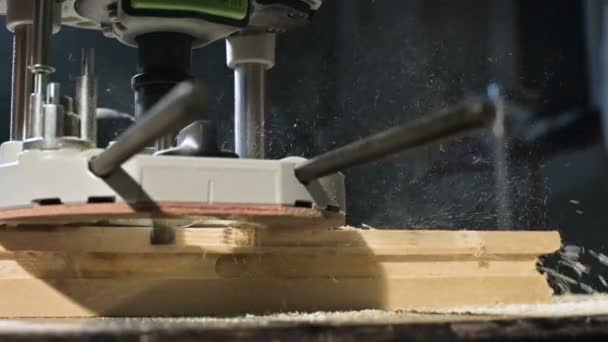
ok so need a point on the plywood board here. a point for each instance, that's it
(93, 271)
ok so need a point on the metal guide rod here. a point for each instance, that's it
(250, 55)
(29, 83)
(40, 67)
(431, 128)
(22, 81)
(249, 115)
(180, 106)
(86, 97)
(43, 32)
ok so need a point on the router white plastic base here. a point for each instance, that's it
(34, 177)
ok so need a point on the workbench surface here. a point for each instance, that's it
(577, 317)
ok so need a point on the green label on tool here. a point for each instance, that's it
(231, 9)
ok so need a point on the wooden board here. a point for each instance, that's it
(115, 271)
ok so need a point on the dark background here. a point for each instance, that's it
(366, 65)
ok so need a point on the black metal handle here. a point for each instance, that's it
(447, 123)
(178, 108)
